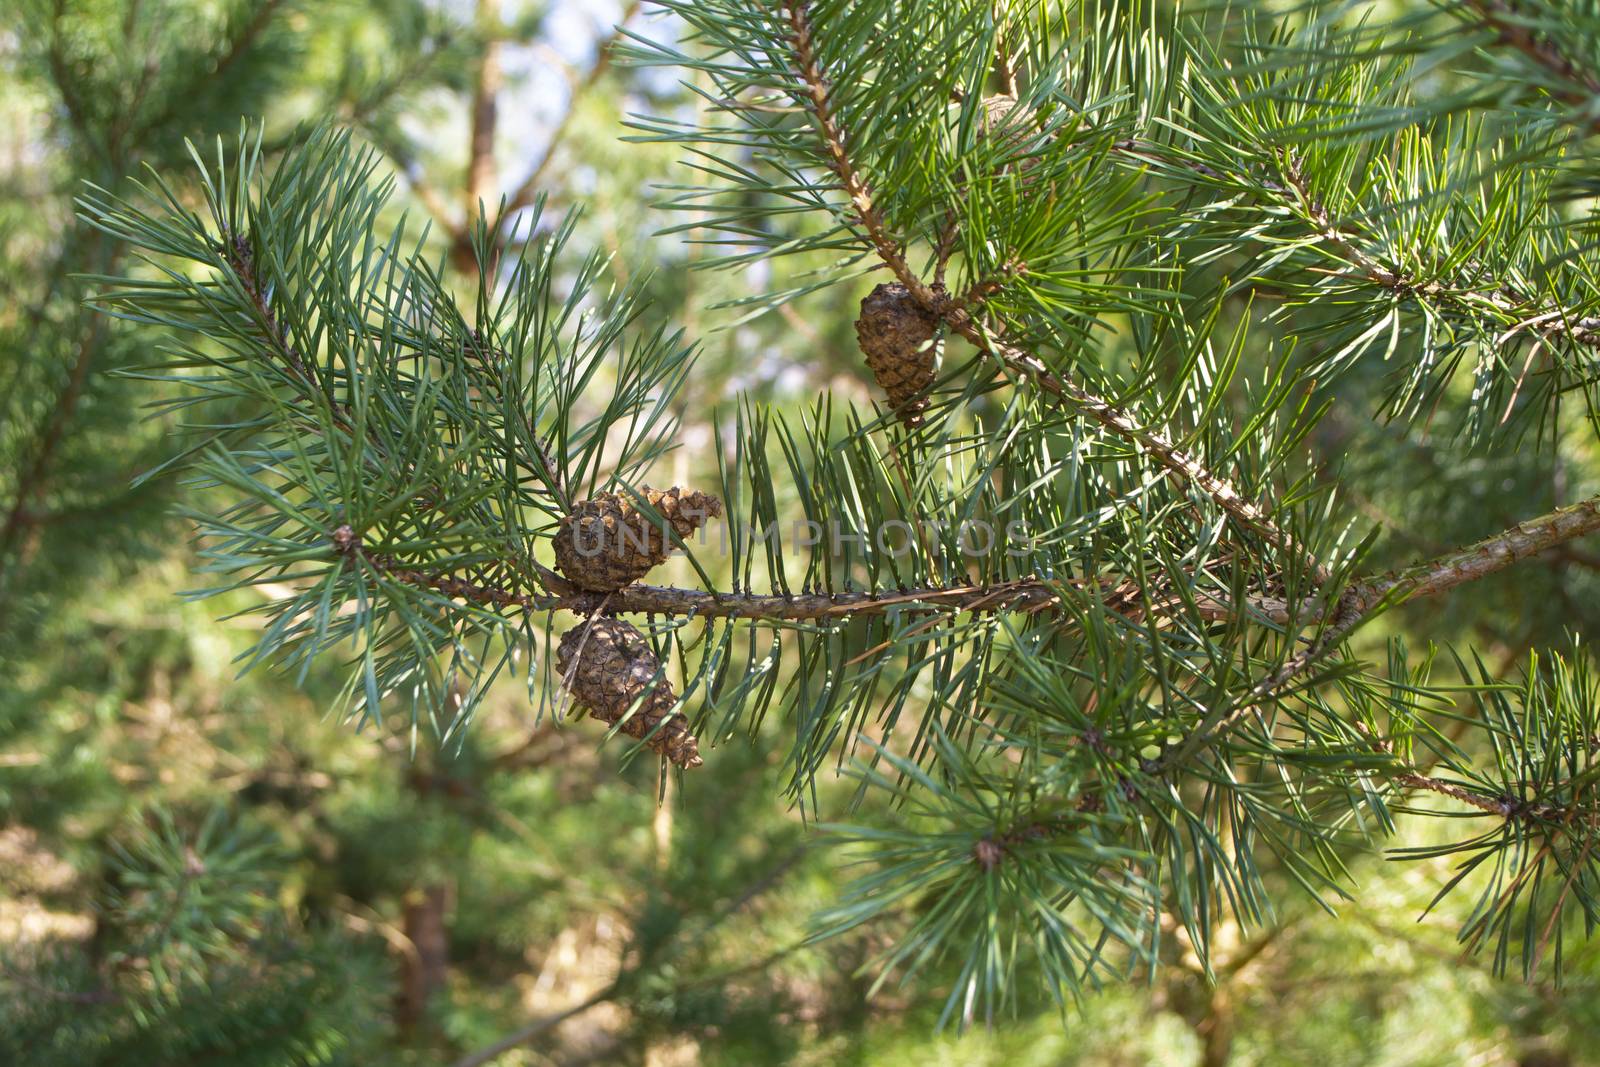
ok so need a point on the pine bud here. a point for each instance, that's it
(896, 334)
(608, 542)
(988, 853)
(609, 669)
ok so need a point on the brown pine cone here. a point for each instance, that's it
(607, 542)
(615, 669)
(896, 335)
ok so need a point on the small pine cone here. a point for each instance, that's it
(607, 542)
(895, 334)
(608, 666)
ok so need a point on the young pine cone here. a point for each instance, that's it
(608, 667)
(607, 542)
(896, 335)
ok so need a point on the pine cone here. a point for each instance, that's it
(608, 666)
(608, 542)
(895, 334)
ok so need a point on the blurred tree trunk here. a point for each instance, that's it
(481, 175)
(1216, 1028)
(424, 969)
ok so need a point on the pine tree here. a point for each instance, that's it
(1092, 610)
(188, 955)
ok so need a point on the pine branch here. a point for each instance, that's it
(1362, 599)
(1582, 87)
(32, 482)
(958, 313)
(66, 84)
(236, 48)
(1500, 300)
(1115, 692)
(1124, 425)
(34, 479)
(241, 260)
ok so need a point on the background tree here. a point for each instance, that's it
(323, 885)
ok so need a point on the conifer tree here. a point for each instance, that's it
(1100, 601)
(187, 955)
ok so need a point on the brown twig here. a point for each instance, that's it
(1360, 601)
(1023, 595)
(840, 160)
